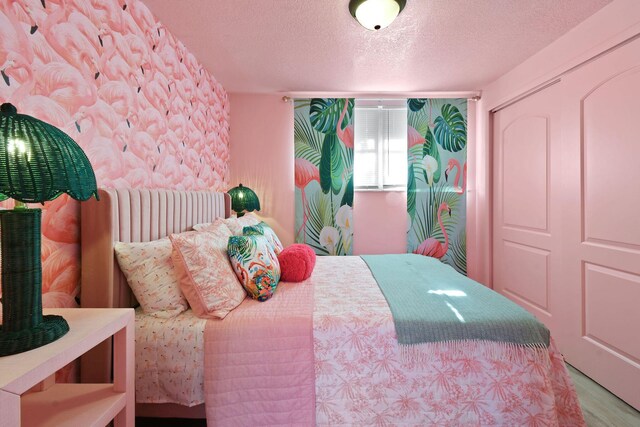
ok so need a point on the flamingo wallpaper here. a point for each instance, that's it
(437, 179)
(141, 106)
(323, 138)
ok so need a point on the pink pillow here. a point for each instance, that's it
(207, 226)
(206, 277)
(296, 262)
(236, 224)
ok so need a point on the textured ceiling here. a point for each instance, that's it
(315, 45)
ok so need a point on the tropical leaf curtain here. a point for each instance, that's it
(437, 178)
(323, 136)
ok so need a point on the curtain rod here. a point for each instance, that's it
(473, 96)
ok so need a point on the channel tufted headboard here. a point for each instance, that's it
(131, 215)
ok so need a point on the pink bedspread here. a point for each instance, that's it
(360, 378)
(362, 381)
(259, 366)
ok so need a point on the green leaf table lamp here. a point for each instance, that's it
(243, 199)
(38, 162)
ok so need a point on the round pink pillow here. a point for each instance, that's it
(296, 262)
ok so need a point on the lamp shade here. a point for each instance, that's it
(243, 199)
(38, 162)
(376, 14)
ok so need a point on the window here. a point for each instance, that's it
(380, 143)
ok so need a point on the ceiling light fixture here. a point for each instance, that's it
(376, 14)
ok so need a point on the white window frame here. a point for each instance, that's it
(381, 144)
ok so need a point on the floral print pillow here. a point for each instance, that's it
(263, 229)
(206, 277)
(152, 277)
(236, 224)
(256, 265)
(208, 226)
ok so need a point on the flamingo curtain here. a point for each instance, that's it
(323, 137)
(437, 178)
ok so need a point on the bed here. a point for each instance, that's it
(358, 374)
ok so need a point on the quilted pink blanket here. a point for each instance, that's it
(259, 365)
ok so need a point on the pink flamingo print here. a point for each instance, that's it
(432, 247)
(109, 12)
(45, 109)
(107, 160)
(12, 37)
(346, 135)
(127, 91)
(65, 85)
(17, 74)
(60, 271)
(58, 300)
(453, 163)
(120, 96)
(413, 137)
(305, 173)
(153, 122)
(60, 220)
(69, 42)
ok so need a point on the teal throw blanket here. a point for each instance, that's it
(431, 302)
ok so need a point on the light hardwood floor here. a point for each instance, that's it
(599, 406)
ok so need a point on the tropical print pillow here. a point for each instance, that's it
(263, 229)
(255, 263)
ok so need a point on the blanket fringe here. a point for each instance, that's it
(503, 351)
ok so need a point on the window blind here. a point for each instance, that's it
(380, 143)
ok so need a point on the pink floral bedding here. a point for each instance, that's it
(361, 380)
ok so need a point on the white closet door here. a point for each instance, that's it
(526, 216)
(601, 204)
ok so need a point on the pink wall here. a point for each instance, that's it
(262, 156)
(141, 106)
(380, 222)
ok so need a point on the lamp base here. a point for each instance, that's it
(51, 328)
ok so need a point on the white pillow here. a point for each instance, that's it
(152, 277)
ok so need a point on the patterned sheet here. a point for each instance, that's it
(170, 359)
(361, 380)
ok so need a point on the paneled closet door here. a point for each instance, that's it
(601, 205)
(526, 220)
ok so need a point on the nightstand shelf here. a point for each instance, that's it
(71, 404)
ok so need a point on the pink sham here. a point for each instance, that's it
(236, 225)
(208, 226)
(206, 277)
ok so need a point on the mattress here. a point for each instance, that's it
(170, 359)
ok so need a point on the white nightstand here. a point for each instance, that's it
(72, 404)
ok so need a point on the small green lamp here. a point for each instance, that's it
(38, 162)
(243, 199)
